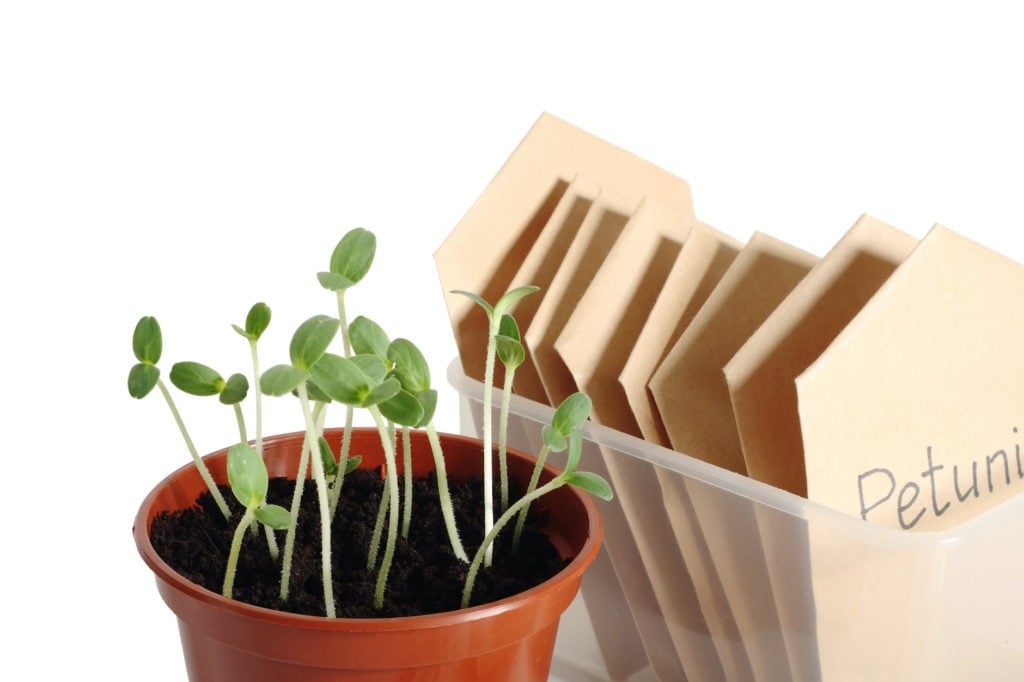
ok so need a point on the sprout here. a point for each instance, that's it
(147, 344)
(584, 480)
(494, 317)
(247, 476)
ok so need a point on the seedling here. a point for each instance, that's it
(247, 476)
(494, 317)
(308, 345)
(350, 261)
(590, 482)
(147, 344)
(510, 351)
(256, 322)
(569, 416)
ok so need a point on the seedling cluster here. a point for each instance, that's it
(390, 379)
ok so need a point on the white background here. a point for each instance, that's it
(187, 159)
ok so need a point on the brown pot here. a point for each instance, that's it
(511, 639)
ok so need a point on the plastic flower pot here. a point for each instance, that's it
(512, 639)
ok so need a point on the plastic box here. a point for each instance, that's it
(709, 575)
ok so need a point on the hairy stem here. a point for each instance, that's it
(407, 465)
(257, 396)
(382, 510)
(346, 444)
(447, 511)
(391, 480)
(492, 345)
(200, 464)
(236, 547)
(534, 477)
(300, 483)
(506, 400)
(240, 419)
(321, 494)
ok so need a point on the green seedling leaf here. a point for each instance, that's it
(592, 483)
(571, 413)
(327, 457)
(385, 390)
(332, 281)
(247, 475)
(275, 516)
(488, 308)
(410, 366)
(368, 337)
(196, 379)
(311, 340)
(508, 327)
(257, 321)
(353, 255)
(235, 389)
(402, 408)
(511, 297)
(353, 463)
(281, 379)
(428, 401)
(147, 341)
(341, 379)
(372, 366)
(315, 393)
(554, 439)
(142, 379)
(510, 351)
(572, 460)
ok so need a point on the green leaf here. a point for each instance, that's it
(488, 308)
(385, 390)
(353, 463)
(368, 337)
(333, 281)
(147, 341)
(571, 414)
(235, 389)
(402, 408)
(142, 379)
(196, 379)
(410, 366)
(428, 401)
(275, 516)
(315, 393)
(353, 255)
(281, 379)
(372, 366)
(511, 297)
(592, 483)
(508, 327)
(341, 379)
(555, 441)
(327, 457)
(247, 475)
(311, 339)
(510, 352)
(257, 321)
(572, 460)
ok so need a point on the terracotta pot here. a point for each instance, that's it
(512, 639)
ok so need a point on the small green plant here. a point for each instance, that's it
(590, 482)
(390, 380)
(495, 314)
(247, 476)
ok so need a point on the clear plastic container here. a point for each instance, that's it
(709, 575)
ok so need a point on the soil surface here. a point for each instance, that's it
(425, 576)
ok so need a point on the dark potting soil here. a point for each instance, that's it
(425, 576)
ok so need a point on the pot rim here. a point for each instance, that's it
(172, 578)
